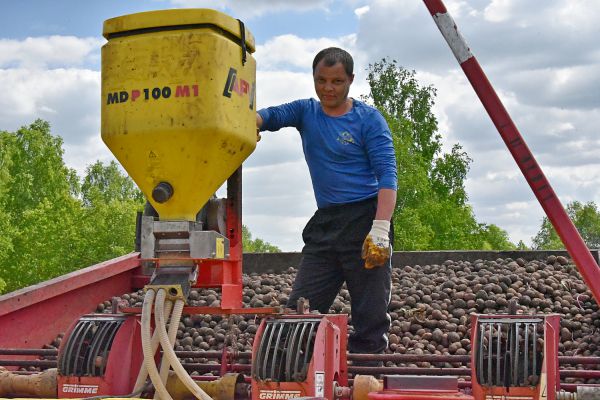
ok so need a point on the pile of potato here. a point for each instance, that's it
(429, 308)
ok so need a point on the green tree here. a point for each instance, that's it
(586, 219)
(46, 244)
(256, 245)
(36, 170)
(50, 224)
(41, 212)
(432, 211)
(7, 142)
(110, 204)
(494, 238)
(106, 183)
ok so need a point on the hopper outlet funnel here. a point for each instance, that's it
(178, 103)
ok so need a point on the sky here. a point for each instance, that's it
(542, 56)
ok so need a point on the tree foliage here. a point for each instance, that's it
(256, 245)
(106, 183)
(432, 211)
(586, 219)
(50, 222)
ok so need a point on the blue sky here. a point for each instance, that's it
(541, 55)
(26, 18)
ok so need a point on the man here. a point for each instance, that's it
(350, 155)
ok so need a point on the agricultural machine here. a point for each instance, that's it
(178, 112)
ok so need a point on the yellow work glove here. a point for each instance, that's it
(376, 249)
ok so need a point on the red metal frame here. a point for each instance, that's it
(518, 148)
(215, 310)
(329, 358)
(429, 394)
(227, 274)
(122, 366)
(549, 383)
(56, 303)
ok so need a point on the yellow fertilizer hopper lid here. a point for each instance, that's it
(178, 103)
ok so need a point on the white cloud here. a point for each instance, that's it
(291, 51)
(542, 57)
(278, 201)
(572, 87)
(67, 97)
(577, 14)
(248, 9)
(544, 67)
(498, 11)
(43, 77)
(460, 8)
(50, 51)
(361, 11)
(82, 155)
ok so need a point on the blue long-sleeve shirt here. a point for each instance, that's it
(349, 157)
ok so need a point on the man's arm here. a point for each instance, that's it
(259, 121)
(376, 249)
(386, 203)
(277, 117)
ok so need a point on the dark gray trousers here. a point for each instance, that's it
(333, 240)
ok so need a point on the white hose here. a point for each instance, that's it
(170, 353)
(143, 374)
(173, 327)
(147, 346)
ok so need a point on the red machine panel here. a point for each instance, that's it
(515, 356)
(101, 355)
(299, 356)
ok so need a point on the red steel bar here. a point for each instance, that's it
(29, 363)
(409, 371)
(572, 387)
(213, 354)
(564, 373)
(584, 374)
(245, 355)
(410, 358)
(32, 317)
(215, 367)
(580, 373)
(518, 148)
(28, 352)
(578, 360)
(567, 387)
(216, 310)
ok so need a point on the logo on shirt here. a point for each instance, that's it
(345, 138)
(239, 86)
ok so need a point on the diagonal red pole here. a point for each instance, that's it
(557, 215)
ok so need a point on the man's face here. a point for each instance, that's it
(332, 85)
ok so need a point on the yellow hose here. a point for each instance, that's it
(170, 353)
(147, 345)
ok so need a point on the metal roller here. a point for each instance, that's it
(285, 350)
(88, 346)
(509, 358)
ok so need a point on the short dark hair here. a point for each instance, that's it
(333, 55)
